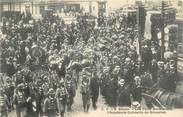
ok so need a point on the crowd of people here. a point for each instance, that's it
(44, 62)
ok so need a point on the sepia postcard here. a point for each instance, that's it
(91, 58)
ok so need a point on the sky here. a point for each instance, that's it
(117, 3)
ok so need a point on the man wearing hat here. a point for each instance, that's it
(121, 83)
(38, 92)
(154, 70)
(86, 92)
(3, 104)
(147, 57)
(123, 93)
(9, 90)
(94, 84)
(137, 89)
(70, 86)
(50, 104)
(45, 86)
(20, 100)
(104, 76)
(61, 96)
(170, 78)
(161, 75)
(18, 77)
(111, 86)
(128, 70)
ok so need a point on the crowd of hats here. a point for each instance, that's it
(108, 49)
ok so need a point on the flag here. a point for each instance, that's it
(137, 45)
(148, 23)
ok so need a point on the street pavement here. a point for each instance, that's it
(77, 107)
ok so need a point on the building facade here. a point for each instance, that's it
(36, 7)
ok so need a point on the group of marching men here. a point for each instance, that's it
(43, 96)
(102, 58)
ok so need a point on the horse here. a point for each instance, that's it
(163, 99)
(156, 97)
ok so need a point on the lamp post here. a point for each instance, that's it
(162, 29)
(32, 2)
(139, 24)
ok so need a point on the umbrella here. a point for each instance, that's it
(85, 63)
(102, 46)
(75, 65)
(168, 55)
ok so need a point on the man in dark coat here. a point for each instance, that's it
(50, 104)
(94, 84)
(86, 92)
(20, 100)
(61, 96)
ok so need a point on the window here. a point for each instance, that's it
(27, 8)
(41, 9)
(180, 3)
(93, 7)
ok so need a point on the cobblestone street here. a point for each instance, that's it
(77, 108)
